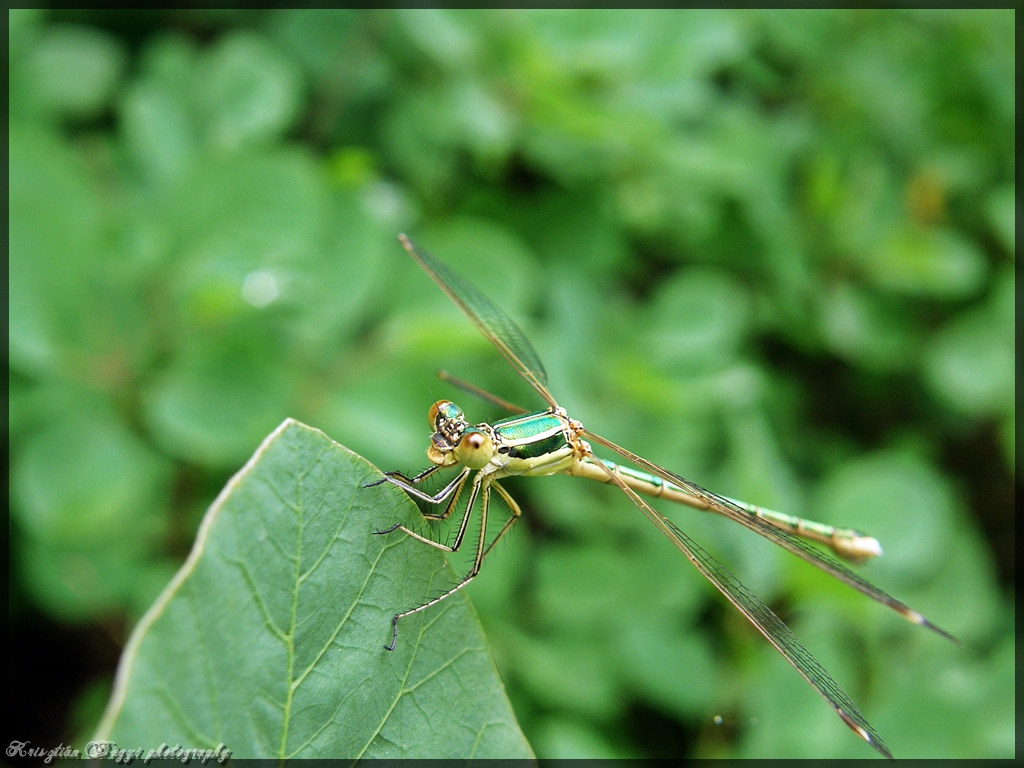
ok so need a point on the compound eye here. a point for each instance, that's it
(475, 449)
(443, 409)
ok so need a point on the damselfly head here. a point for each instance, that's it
(442, 411)
(448, 422)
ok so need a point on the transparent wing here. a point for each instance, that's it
(763, 618)
(784, 539)
(491, 321)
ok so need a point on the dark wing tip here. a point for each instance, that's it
(921, 621)
(862, 730)
(940, 631)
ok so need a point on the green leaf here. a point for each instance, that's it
(216, 398)
(55, 247)
(110, 482)
(918, 262)
(157, 133)
(77, 584)
(74, 69)
(248, 91)
(865, 328)
(698, 321)
(270, 639)
(970, 363)
(1001, 212)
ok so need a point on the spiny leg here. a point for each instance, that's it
(408, 484)
(453, 489)
(481, 553)
(481, 486)
(457, 484)
(516, 513)
(393, 476)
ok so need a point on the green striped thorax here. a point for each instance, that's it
(512, 446)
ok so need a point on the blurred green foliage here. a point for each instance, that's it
(771, 250)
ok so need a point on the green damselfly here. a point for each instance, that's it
(548, 442)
